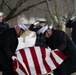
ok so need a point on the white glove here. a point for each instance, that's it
(36, 23)
(56, 49)
(49, 47)
(13, 57)
(73, 17)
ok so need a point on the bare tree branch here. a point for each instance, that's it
(41, 9)
(1, 6)
(8, 1)
(51, 15)
(20, 2)
(59, 25)
(7, 5)
(25, 9)
(9, 16)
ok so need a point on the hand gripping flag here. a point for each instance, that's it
(37, 60)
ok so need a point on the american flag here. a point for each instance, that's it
(37, 60)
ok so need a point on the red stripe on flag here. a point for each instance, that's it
(35, 60)
(15, 66)
(23, 54)
(54, 61)
(16, 73)
(43, 51)
(61, 55)
(22, 68)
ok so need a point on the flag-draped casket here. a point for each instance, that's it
(37, 60)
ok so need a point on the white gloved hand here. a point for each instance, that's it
(14, 57)
(49, 47)
(36, 23)
(56, 49)
(73, 17)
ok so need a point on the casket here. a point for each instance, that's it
(37, 60)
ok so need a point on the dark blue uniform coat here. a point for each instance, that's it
(60, 40)
(40, 40)
(8, 45)
(72, 24)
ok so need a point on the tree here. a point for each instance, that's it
(14, 8)
(61, 9)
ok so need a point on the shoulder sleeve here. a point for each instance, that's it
(6, 46)
(62, 41)
(32, 28)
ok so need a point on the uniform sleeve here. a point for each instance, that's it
(32, 28)
(69, 24)
(6, 46)
(62, 40)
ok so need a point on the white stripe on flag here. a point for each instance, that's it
(19, 71)
(48, 51)
(40, 61)
(37, 60)
(30, 61)
(57, 58)
(20, 59)
(49, 60)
